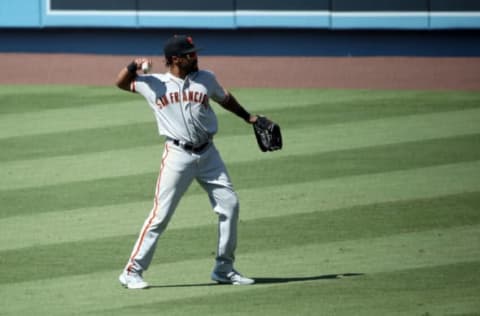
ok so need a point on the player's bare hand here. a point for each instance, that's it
(140, 61)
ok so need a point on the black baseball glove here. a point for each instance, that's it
(269, 137)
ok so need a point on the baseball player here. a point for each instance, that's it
(180, 101)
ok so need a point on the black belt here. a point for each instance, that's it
(191, 147)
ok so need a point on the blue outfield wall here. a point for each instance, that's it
(237, 14)
(246, 42)
(244, 27)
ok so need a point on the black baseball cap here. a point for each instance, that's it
(179, 45)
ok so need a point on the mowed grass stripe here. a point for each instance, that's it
(200, 242)
(59, 120)
(326, 108)
(79, 142)
(408, 128)
(139, 160)
(25, 99)
(34, 98)
(325, 111)
(281, 105)
(285, 199)
(71, 119)
(171, 280)
(288, 169)
(37, 98)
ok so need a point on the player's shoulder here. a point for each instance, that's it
(206, 73)
(149, 82)
(152, 78)
(205, 76)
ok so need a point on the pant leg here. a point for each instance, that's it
(214, 178)
(176, 174)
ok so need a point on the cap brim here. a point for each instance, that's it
(191, 50)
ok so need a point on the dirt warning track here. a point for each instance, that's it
(419, 73)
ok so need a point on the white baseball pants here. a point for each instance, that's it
(177, 171)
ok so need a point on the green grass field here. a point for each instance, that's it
(371, 208)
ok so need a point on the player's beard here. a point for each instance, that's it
(192, 66)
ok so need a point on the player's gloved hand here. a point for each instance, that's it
(267, 132)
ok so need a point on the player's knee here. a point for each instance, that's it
(228, 206)
(233, 203)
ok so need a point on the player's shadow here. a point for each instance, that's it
(302, 279)
(270, 280)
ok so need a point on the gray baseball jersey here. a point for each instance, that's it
(181, 107)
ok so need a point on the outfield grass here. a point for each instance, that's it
(371, 208)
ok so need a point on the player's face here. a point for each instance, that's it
(189, 62)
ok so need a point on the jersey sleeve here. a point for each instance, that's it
(218, 93)
(140, 84)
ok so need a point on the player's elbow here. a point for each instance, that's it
(122, 84)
